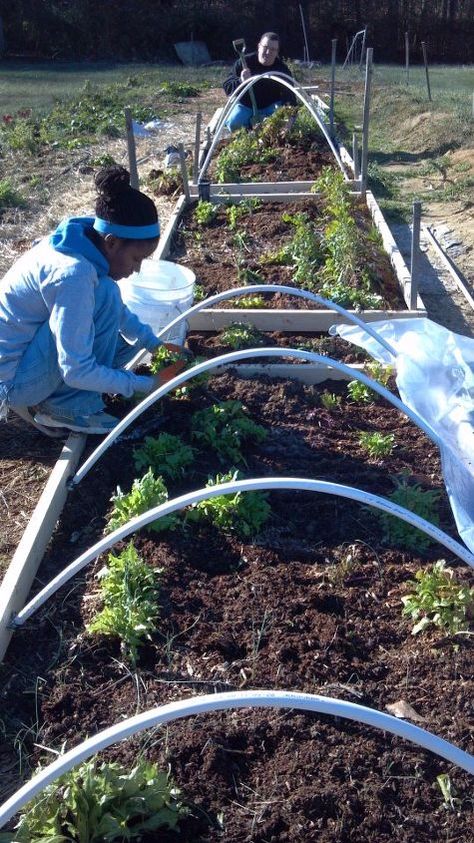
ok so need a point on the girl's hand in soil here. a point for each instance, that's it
(178, 349)
(168, 373)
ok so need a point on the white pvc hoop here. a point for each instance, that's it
(258, 483)
(244, 87)
(267, 288)
(233, 357)
(222, 702)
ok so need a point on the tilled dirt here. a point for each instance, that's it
(312, 603)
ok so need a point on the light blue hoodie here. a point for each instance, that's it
(55, 282)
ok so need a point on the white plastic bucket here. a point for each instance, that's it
(158, 293)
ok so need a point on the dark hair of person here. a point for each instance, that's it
(272, 36)
(120, 203)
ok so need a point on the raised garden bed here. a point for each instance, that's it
(312, 602)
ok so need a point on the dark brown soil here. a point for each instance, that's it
(209, 344)
(313, 603)
(221, 263)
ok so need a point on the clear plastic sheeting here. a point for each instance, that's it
(435, 378)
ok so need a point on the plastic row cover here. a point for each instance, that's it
(435, 378)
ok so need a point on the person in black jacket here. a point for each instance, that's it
(268, 94)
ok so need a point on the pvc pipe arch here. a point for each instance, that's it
(236, 292)
(233, 357)
(287, 82)
(254, 484)
(227, 701)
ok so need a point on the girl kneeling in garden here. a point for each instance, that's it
(65, 334)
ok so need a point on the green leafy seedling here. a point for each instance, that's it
(422, 503)
(240, 209)
(205, 212)
(99, 802)
(362, 394)
(147, 492)
(244, 513)
(250, 303)
(224, 428)
(438, 598)
(330, 400)
(377, 444)
(239, 335)
(166, 454)
(129, 590)
(163, 357)
(445, 785)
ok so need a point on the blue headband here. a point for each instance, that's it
(129, 232)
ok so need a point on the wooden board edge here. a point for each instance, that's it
(288, 321)
(26, 560)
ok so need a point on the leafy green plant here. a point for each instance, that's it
(439, 599)
(224, 428)
(303, 252)
(362, 394)
(379, 372)
(243, 148)
(248, 276)
(9, 197)
(147, 492)
(240, 209)
(178, 90)
(242, 241)
(166, 454)
(377, 444)
(244, 513)
(445, 785)
(129, 590)
(205, 212)
(165, 182)
(250, 302)
(422, 503)
(98, 802)
(330, 400)
(239, 335)
(163, 357)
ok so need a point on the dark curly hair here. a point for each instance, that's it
(120, 203)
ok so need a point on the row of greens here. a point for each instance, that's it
(336, 255)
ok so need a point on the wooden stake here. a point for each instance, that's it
(132, 154)
(407, 57)
(333, 77)
(184, 171)
(355, 155)
(425, 59)
(415, 255)
(365, 128)
(197, 145)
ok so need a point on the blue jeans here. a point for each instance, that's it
(38, 379)
(241, 116)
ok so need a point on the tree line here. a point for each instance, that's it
(147, 29)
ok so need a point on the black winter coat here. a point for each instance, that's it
(266, 91)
